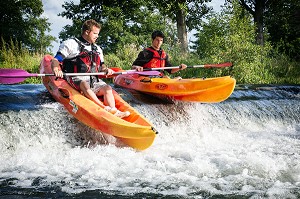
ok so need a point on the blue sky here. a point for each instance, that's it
(53, 7)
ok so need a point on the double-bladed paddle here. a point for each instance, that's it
(14, 76)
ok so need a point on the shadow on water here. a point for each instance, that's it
(23, 97)
(9, 192)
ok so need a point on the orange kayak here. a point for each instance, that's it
(135, 131)
(205, 90)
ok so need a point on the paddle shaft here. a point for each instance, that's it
(222, 65)
(65, 74)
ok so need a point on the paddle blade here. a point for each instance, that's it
(13, 76)
(145, 73)
(15, 80)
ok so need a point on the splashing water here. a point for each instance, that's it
(247, 146)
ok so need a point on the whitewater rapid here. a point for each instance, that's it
(246, 146)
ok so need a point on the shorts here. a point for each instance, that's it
(96, 85)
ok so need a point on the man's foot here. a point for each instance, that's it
(111, 110)
(121, 114)
(116, 112)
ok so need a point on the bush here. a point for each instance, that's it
(13, 55)
(230, 36)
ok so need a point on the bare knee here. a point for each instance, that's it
(84, 85)
(107, 88)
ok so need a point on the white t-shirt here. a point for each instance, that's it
(70, 48)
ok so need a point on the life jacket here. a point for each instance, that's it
(157, 60)
(85, 62)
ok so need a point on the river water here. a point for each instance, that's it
(245, 147)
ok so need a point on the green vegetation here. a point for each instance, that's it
(20, 58)
(22, 22)
(250, 65)
(228, 36)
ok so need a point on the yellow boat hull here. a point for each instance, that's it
(208, 90)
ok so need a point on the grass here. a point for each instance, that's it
(277, 69)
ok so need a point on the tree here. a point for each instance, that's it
(123, 22)
(186, 13)
(283, 25)
(256, 8)
(231, 36)
(21, 22)
(280, 19)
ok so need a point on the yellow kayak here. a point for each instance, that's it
(205, 90)
(135, 131)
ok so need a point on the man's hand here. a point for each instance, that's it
(138, 68)
(109, 71)
(183, 66)
(56, 68)
(58, 72)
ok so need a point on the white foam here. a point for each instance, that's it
(244, 148)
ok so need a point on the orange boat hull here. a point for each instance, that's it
(135, 130)
(208, 90)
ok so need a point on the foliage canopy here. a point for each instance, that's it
(21, 22)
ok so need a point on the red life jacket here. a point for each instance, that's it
(85, 62)
(157, 60)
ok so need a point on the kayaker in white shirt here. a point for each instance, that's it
(81, 55)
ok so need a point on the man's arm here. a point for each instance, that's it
(174, 70)
(55, 66)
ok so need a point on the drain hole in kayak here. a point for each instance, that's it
(64, 93)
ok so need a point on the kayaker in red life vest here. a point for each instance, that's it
(80, 55)
(154, 56)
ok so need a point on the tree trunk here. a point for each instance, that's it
(258, 19)
(181, 30)
(258, 15)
